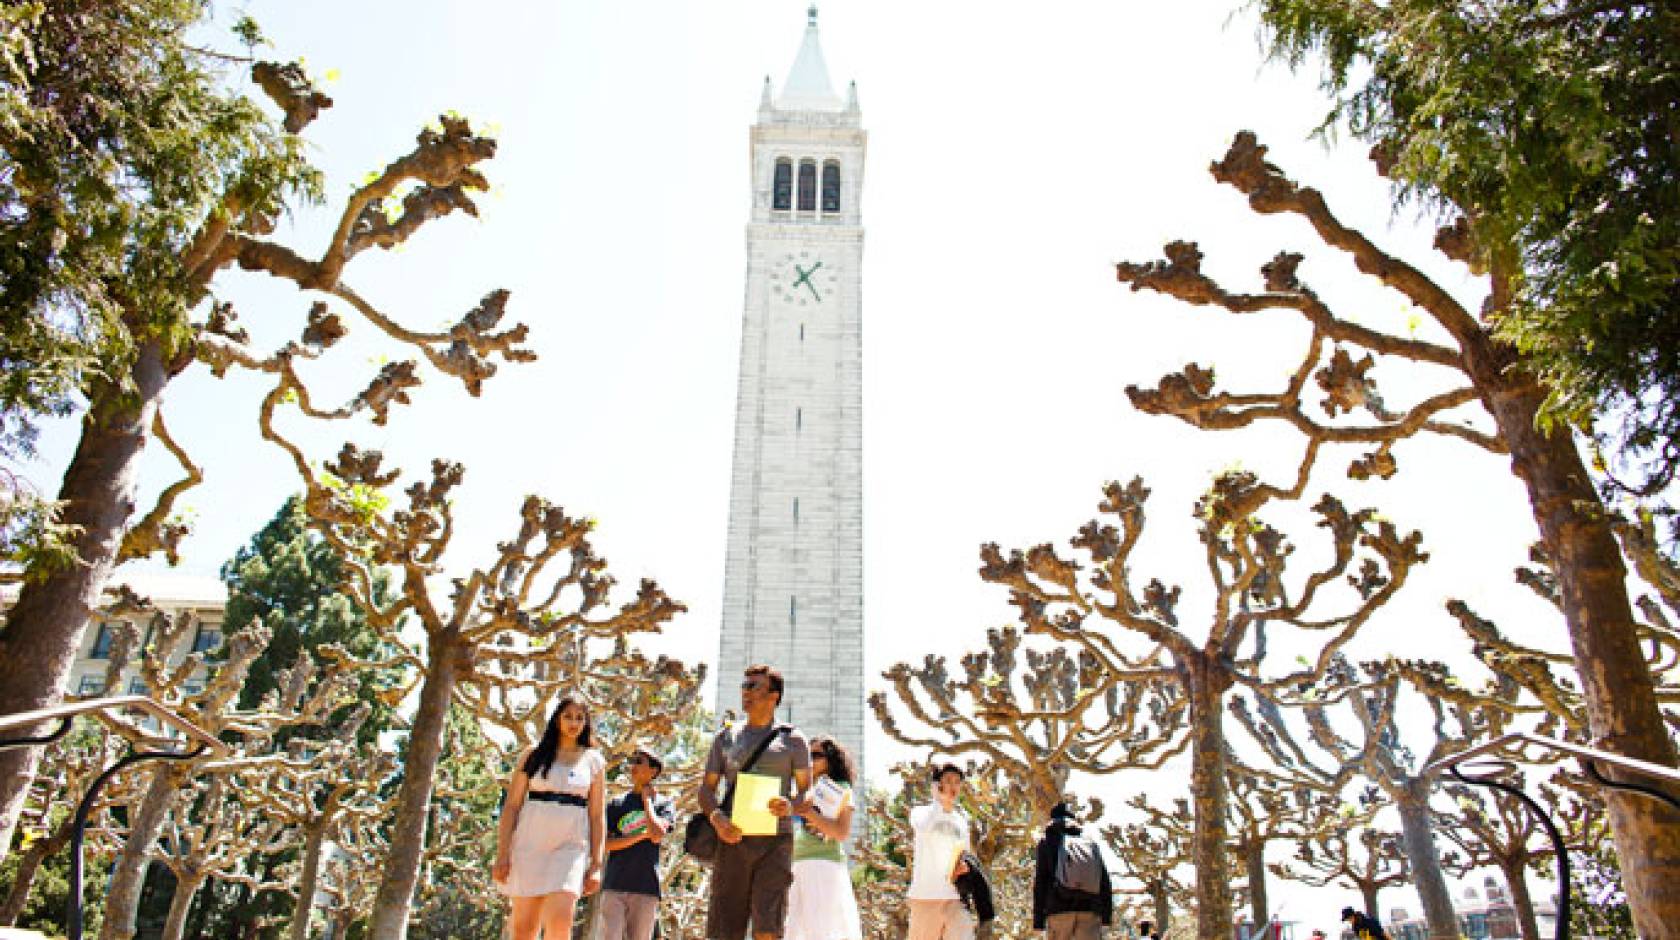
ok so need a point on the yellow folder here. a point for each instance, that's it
(751, 811)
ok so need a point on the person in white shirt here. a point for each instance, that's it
(936, 909)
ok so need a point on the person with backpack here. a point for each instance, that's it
(1072, 897)
(752, 873)
(1363, 926)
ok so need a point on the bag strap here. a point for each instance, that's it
(763, 746)
(752, 760)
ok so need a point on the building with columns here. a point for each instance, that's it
(793, 579)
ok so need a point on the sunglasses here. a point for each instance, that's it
(751, 686)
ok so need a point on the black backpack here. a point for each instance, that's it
(1079, 866)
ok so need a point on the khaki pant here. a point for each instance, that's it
(1073, 925)
(940, 920)
(626, 916)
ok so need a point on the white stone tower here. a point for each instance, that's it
(793, 579)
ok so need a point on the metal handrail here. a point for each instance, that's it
(102, 708)
(69, 711)
(1490, 753)
(1592, 754)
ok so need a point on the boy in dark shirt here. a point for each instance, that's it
(636, 823)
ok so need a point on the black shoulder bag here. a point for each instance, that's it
(700, 838)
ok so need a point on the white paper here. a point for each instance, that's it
(828, 797)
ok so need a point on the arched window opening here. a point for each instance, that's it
(831, 187)
(808, 186)
(781, 190)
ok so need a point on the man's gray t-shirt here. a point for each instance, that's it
(790, 752)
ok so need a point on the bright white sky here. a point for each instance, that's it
(1016, 152)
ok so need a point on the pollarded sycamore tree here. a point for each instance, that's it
(321, 790)
(217, 827)
(1267, 807)
(1487, 373)
(1498, 831)
(1096, 609)
(1331, 858)
(1074, 715)
(544, 595)
(309, 693)
(1353, 719)
(1151, 852)
(223, 173)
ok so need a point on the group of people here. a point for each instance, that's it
(778, 872)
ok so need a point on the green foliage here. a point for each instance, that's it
(288, 577)
(1552, 126)
(44, 910)
(118, 142)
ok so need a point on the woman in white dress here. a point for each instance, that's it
(821, 905)
(552, 836)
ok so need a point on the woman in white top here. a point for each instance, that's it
(821, 905)
(552, 836)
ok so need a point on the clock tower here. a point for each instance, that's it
(793, 579)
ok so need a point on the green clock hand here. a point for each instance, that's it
(805, 279)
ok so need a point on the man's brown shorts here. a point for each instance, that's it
(750, 880)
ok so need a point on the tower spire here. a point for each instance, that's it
(807, 87)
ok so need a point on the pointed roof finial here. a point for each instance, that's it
(807, 87)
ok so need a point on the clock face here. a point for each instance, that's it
(804, 278)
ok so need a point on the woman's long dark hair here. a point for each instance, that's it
(840, 768)
(542, 757)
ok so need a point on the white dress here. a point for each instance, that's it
(551, 840)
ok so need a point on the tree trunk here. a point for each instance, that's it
(1163, 905)
(408, 830)
(29, 864)
(44, 629)
(122, 898)
(1208, 849)
(1516, 878)
(315, 836)
(1592, 590)
(1254, 855)
(1418, 838)
(1368, 895)
(179, 906)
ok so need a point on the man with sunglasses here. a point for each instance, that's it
(636, 823)
(751, 874)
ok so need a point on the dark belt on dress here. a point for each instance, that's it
(565, 799)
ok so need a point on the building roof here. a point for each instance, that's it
(807, 87)
(170, 589)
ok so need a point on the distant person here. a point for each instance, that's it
(821, 905)
(941, 837)
(552, 836)
(1318, 935)
(636, 825)
(1072, 896)
(1363, 927)
(751, 874)
(1147, 931)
